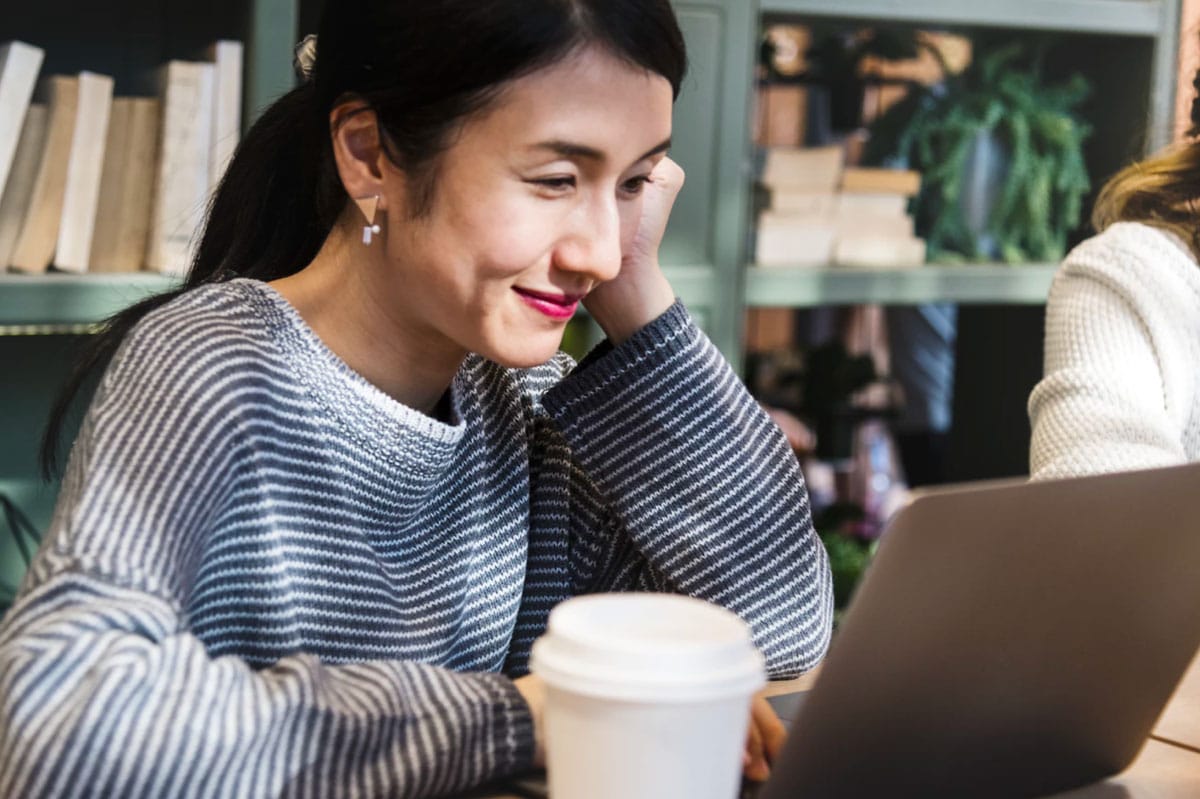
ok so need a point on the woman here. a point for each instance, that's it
(326, 495)
(1120, 390)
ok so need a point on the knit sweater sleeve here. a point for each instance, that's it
(684, 484)
(104, 691)
(1117, 389)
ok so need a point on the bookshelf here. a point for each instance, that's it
(1126, 47)
(1138, 17)
(66, 303)
(1129, 45)
(705, 245)
(999, 284)
(42, 318)
(1145, 32)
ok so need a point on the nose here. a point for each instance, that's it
(591, 246)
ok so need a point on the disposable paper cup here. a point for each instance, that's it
(647, 697)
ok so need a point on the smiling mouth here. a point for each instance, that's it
(556, 306)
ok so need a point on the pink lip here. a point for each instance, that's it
(559, 307)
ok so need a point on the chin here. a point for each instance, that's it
(533, 351)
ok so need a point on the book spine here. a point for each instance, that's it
(34, 249)
(84, 167)
(227, 107)
(17, 191)
(181, 186)
(19, 67)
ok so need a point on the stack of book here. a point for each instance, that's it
(874, 226)
(822, 213)
(90, 182)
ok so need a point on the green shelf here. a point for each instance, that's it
(998, 284)
(66, 302)
(1127, 17)
(46, 303)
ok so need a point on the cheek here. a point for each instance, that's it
(507, 243)
(631, 215)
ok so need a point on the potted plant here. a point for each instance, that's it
(1001, 156)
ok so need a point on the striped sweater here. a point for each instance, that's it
(264, 577)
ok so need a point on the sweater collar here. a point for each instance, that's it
(382, 425)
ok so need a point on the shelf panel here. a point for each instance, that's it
(69, 301)
(1128, 17)
(76, 300)
(29, 303)
(1026, 284)
(695, 285)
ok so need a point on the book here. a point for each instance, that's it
(182, 176)
(872, 204)
(817, 169)
(789, 240)
(782, 110)
(873, 251)
(872, 180)
(126, 186)
(34, 247)
(19, 188)
(769, 329)
(800, 201)
(19, 67)
(226, 55)
(899, 226)
(81, 194)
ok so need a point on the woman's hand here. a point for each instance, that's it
(534, 693)
(640, 293)
(764, 740)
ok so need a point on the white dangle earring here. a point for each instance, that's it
(368, 206)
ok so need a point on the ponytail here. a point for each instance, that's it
(273, 209)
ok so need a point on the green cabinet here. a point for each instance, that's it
(705, 240)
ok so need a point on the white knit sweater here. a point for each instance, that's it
(1121, 388)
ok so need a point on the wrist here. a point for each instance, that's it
(531, 690)
(622, 310)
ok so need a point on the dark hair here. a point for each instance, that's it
(423, 66)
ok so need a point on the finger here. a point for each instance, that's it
(755, 762)
(669, 175)
(770, 728)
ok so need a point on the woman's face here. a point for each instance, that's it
(533, 205)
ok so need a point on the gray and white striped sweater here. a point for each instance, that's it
(264, 577)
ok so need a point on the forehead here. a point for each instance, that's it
(591, 98)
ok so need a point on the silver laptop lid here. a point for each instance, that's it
(1008, 640)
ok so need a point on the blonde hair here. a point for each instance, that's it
(1163, 191)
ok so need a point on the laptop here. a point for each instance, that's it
(1009, 639)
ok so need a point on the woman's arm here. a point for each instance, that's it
(1119, 364)
(103, 692)
(682, 483)
(106, 690)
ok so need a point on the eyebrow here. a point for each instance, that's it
(573, 150)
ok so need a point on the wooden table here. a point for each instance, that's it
(1168, 766)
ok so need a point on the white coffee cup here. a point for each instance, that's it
(647, 697)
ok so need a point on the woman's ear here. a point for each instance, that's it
(358, 151)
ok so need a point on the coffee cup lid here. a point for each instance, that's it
(647, 647)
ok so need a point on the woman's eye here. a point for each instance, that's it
(635, 185)
(556, 183)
